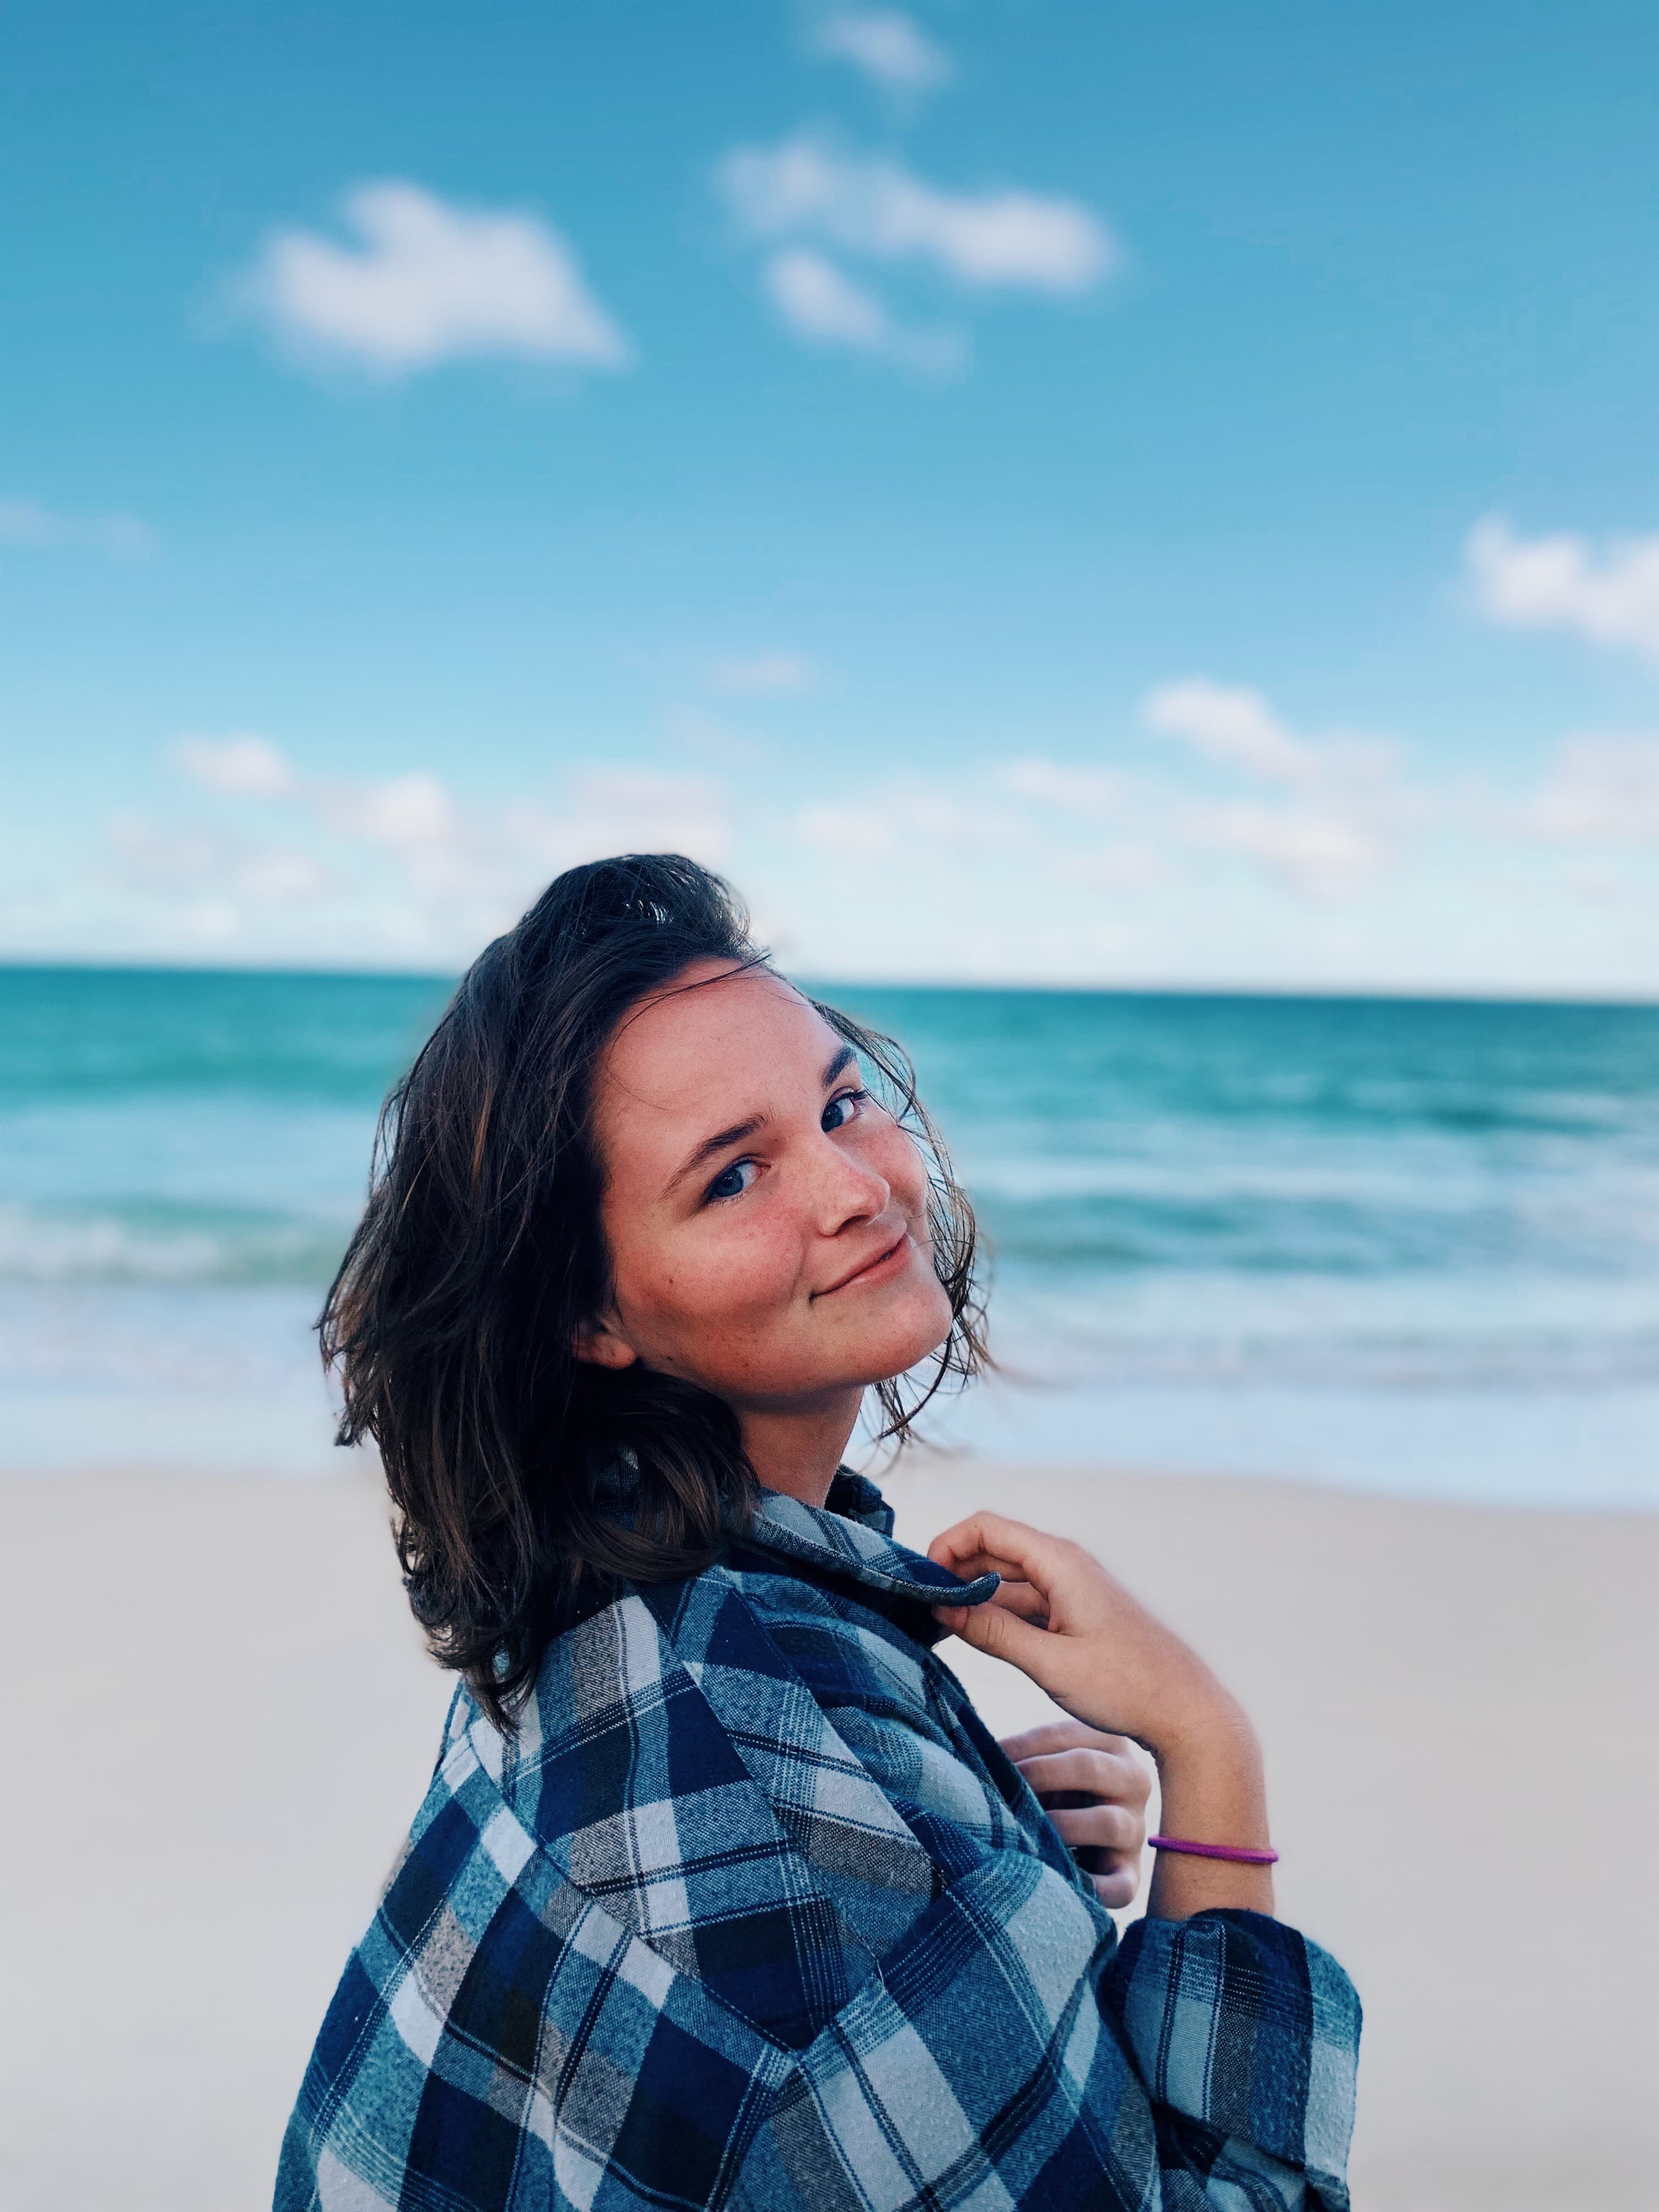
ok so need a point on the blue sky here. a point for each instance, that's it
(1037, 490)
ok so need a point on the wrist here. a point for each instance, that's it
(1211, 1782)
(1210, 1728)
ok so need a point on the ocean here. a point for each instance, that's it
(1400, 1246)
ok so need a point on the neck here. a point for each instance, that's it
(797, 1449)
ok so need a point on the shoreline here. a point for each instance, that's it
(1570, 1453)
(1423, 993)
(231, 1721)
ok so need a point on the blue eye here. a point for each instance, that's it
(733, 1182)
(834, 1118)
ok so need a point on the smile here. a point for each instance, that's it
(881, 1269)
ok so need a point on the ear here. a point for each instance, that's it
(600, 1343)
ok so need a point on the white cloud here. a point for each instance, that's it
(23, 523)
(1321, 855)
(1338, 834)
(431, 281)
(822, 304)
(626, 811)
(440, 852)
(1600, 791)
(1101, 830)
(1609, 597)
(168, 859)
(819, 300)
(403, 856)
(188, 862)
(874, 206)
(1231, 724)
(763, 675)
(282, 873)
(1078, 791)
(450, 853)
(1105, 832)
(244, 766)
(908, 815)
(1021, 867)
(1127, 867)
(892, 51)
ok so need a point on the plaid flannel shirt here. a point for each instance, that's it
(753, 1912)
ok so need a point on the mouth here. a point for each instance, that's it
(890, 1261)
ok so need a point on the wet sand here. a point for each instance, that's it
(224, 1720)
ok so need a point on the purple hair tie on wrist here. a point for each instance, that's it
(1214, 1851)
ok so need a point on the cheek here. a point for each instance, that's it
(691, 1290)
(931, 1315)
(896, 1160)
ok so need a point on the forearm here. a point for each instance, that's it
(1231, 2022)
(1079, 1635)
(1210, 1776)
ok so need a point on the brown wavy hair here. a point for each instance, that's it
(530, 1485)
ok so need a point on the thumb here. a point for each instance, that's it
(993, 1628)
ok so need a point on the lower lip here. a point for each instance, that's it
(880, 1271)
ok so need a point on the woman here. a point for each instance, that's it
(721, 1895)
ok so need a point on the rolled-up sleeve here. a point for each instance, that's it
(1247, 2032)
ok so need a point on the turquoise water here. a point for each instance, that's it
(1399, 1245)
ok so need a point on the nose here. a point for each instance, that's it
(846, 1190)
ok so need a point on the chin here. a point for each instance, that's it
(919, 1328)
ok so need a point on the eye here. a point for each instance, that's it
(733, 1182)
(843, 1108)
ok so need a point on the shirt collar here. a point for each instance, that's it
(851, 1535)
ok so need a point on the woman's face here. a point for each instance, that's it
(767, 1220)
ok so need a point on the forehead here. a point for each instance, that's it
(717, 1047)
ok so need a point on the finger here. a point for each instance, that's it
(1086, 1772)
(1118, 1888)
(1021, 1598)
(1098, 1828)
(1015, 1548)
(1065, 1735)
(1094, 1774)
(996, 1630)
(968, 1565)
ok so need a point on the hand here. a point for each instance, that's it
(1095, 1791)
(1061, 1617)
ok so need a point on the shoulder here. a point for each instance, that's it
(510, 1999)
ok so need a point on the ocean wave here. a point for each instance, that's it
(1263, 1233)
(1205, 1195)
(1499, 1361)
(136, 1034)
(163, 1247)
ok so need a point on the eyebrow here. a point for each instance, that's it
(723, 1140)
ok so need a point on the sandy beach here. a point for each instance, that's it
(226, 1720)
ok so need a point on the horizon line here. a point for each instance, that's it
(1379, 992)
